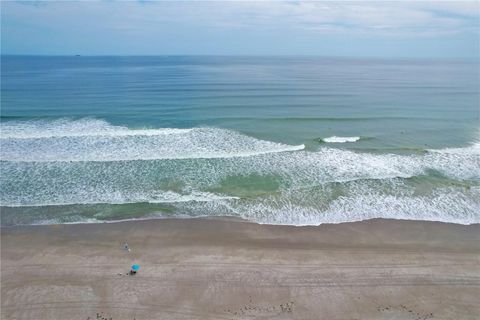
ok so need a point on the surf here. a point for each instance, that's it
(97, 140)
(43, 182)
(77, 165)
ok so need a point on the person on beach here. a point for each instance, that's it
(134, 269)
(127, 248)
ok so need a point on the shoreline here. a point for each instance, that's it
(204, 268)
(228, 219)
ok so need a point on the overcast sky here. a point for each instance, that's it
(356, 29)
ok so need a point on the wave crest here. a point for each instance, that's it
(97, 140)
(335, 139)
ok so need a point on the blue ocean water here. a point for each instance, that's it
(283, 140)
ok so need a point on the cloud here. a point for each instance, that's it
(406, 17)
(145, 22)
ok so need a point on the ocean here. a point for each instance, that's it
(279, 140)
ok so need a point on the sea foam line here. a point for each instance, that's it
(167, 197)
(213, 155)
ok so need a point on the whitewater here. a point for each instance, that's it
(91, 170)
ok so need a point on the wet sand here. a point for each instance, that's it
(223, 269)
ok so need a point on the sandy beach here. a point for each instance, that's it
(223, 269)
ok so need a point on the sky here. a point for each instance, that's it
(383, 29)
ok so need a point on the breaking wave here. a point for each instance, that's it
(336, 139)
(217, 172)
(97, 140)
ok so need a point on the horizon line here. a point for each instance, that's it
(239, 56)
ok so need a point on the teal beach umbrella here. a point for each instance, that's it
(135, 267)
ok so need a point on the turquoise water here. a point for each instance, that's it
(289, 140)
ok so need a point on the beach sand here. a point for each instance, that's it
(224, 269)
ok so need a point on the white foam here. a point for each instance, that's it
(336, 139)
(96, 140)
(473, 149)
(445, 204)
(127, 198)
(173, 197)
(48, 183)
(86, 174)
(38, 129)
